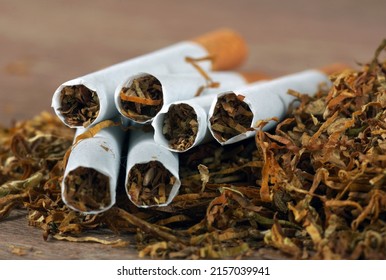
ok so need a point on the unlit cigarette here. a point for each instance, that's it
(89, 99)
(152, 177)
(90, 178)
(183, 125)
(233, 114)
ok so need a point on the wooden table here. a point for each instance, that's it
(44, 43)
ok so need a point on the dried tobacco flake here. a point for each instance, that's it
(30, 154)
(79, 105)
(18, 186)
(143, 99)
(87, 189)
(149, 183)
(329, 159)
(231, 117)
(180, 126)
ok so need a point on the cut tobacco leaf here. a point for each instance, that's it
(143, 99)
(209, 83)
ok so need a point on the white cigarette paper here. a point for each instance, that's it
(143, 150)
(177, 87)
(101, 153)
(271, 99)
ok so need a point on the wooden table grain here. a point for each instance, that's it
(44, 43)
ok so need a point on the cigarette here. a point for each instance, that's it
(152, 172)
(144, 95)
(233, 114)
(182, 125)
(91, 174)
(89, 99)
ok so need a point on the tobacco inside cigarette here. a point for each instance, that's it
(79, 105)
(142, 99)
(87, 189)
(180, 126)
(149, 183)
(231, 117)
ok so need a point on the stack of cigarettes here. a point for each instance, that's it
(188, 92)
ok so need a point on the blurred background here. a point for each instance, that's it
(45, 43)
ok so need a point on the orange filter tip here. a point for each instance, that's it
(227, 48)
(251, 77)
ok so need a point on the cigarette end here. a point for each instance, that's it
(334, 68)
(228, 48)
(251, 77)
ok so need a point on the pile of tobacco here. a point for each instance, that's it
(315, 188)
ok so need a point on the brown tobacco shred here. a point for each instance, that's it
(30, 154)
(209, 83)
(180, 126)
(231, 116)
(149, 183)
(143, 99)
(314, 189)
(87, 189)
(79, 105)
